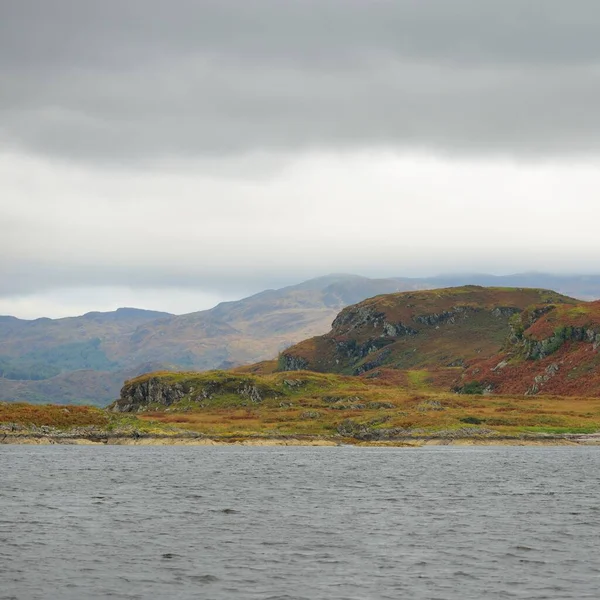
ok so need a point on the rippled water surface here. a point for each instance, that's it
(314, 523)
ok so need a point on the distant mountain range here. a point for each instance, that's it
(87, 358)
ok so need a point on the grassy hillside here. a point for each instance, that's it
(18, 418)
(232, 405)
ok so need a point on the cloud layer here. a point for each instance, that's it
(187, 151)
(145, 79)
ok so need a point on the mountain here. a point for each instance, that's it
(87, 358)
(69, 360)
(257, 327)
(434, 328)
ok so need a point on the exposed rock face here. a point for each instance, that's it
(541, 348)
(136, 396)
(161, 392)
(447, 316)
(550, 371)
(369, 317)
(292, 363)
(372, 364)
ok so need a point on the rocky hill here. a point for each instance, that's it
(437, 328)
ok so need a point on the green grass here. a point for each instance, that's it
(418, 379)
(303, 403)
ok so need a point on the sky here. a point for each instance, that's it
(173, 154)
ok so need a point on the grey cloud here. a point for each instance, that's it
(135, 80)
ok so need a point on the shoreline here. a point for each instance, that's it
(201, 440)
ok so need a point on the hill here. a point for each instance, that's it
(307, 406)
(43, 348)
(436, 328)
(87, 358)
(71, 360)
(255, 328)
(390, 368)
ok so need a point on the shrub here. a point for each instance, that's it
(472, 387)
(472, 420)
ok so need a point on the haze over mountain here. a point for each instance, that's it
(87, 358)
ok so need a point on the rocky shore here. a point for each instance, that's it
(18, 434)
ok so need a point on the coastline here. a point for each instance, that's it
(22, 438)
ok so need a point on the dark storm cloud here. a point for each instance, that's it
(143, 79)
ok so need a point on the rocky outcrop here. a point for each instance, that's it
(372, 364)
(534, 349)
(539, 380)
(548, 346)
(372, 432)
(159, 392)
(446, 316)
(367, 317)
(288, 362)
(135, 396)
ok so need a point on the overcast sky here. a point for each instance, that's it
(172, 154)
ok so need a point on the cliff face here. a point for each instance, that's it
(441, 328)
(160, 391)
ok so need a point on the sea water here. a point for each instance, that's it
(460, 523)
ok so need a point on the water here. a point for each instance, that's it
(289, 523)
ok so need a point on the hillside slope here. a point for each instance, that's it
(551, 351)
(437, 328)
(234, 407)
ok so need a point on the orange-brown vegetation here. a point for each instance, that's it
(52, 415)
(394, 412)
(553, 351)
(395, 403)
(582, 315)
